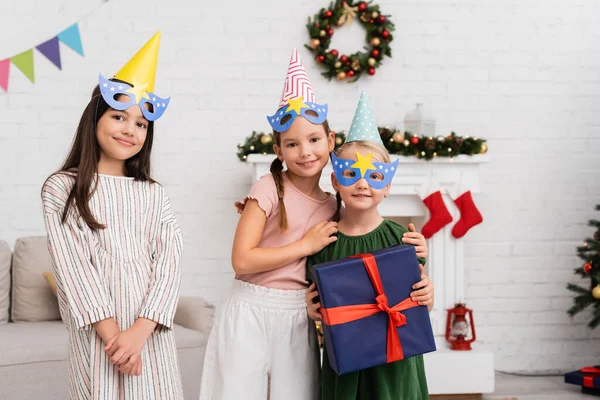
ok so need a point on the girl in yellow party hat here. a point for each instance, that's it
(115, 244)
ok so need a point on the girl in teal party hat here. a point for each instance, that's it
(362, 178)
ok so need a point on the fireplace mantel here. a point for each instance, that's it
(445, 265)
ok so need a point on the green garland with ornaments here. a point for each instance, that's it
(350, 67)
(396, 142)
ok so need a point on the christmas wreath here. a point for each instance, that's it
(379, 36)
(396, 142)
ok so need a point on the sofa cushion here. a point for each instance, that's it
(5, 255)
(32, 299)
(31, 342)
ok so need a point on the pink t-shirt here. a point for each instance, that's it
(303, 212)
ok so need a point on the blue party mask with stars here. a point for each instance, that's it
(111, 90)
(297, 108)
(377, 174)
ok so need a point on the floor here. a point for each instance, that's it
(511, 387)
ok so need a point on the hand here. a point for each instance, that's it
(312, 308)
(424, 293)
(133, 367)
(319, 236)
(126, 344)
(415, 238)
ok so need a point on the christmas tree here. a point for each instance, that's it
(588, 296)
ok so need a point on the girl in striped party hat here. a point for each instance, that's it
(263, 345)
(115, 244)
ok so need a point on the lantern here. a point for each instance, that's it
(460, 331)
(420, 121)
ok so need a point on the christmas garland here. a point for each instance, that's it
(379, 36)
(396, 142)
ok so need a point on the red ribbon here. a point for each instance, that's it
(343, 314)
(588, 381)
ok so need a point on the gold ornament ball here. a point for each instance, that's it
(398, 137)
(405, 142)
(371, 62)
(315, 43)
(251, 148)
(484, 148)
(374, 14)
(266, 139)
(337, 64)
(341, 76)
(322, 33)
(596, 292)
(338, 141)
(375, 42)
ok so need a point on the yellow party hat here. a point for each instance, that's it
(140, 71)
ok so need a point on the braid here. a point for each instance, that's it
(337, 216)
(276, 169)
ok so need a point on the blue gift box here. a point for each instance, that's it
(588, 378)
(363, 343)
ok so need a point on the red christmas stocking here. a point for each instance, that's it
(469, 215)
(440, 216)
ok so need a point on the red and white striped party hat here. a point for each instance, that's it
(296, 82)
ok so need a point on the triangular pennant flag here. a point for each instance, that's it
(4, 68)
(51, 50)
(24, 62)
(71, 38)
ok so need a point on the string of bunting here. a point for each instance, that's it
(50, 49)
(24, 61)
(395, 141)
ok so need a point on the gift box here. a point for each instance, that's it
(368, 316)
(588, 378)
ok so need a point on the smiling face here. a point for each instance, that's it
(360, 196)
(305, 148)
(121, 134)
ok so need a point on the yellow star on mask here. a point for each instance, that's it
(139, 90)
(296, 105)
(363, 163)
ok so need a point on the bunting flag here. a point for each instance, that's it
(4, 68)
(50, 49)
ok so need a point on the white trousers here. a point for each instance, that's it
(262, 346)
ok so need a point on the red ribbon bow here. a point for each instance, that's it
(588, 381)
(344, 314)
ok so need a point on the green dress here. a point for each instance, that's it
(400, 380)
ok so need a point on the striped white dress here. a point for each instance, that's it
(128, 270)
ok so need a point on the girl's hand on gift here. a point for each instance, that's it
(417, 239)
(312, 308)
(424, 290)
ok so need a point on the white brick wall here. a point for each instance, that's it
(524, 74)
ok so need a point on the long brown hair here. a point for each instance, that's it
(277, 171)
(82, 161)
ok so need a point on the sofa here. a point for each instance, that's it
(33, 339)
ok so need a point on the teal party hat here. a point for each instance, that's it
(364, 126)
